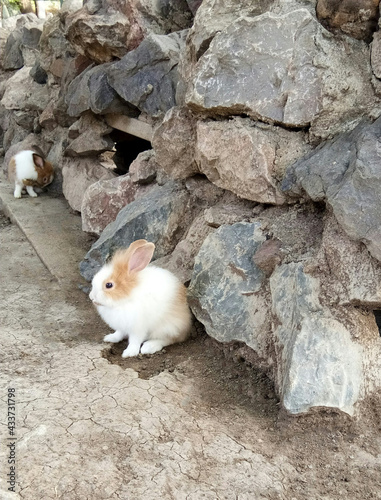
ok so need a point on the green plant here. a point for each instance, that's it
(15, 4)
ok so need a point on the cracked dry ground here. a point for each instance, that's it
(194, 422)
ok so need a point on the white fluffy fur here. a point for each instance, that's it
(145, 316)
(25, 168)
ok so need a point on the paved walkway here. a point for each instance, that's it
(51, 227)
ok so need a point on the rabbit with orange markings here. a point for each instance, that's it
(28, 169)
(141, 302)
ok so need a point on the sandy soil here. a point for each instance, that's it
(192, 422)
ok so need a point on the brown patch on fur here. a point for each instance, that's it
(124, 281)
(44, 172)
(123, 285)
(12, 169)
(181, 312)
(31, 182)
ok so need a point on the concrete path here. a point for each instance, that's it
(88, 429)
(51, 227)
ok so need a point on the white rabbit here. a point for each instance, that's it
(28, 169)
(147, 305)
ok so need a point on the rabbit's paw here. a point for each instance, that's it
(152, 346)
(132, 350)
(114, 337)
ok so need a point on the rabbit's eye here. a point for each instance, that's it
(109, 285)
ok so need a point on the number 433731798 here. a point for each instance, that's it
(11, 411)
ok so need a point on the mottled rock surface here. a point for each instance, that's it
(174, 142)
(90, 137)
(103, 200)
(227, 293)
(12, 55)
(90, 90)
(144, 168)
(247, 159)
(88, 29)
(53, 44)
(147, 76)
(90, 34)
(344, 172)
(78, 174)
(319, 364)
(295, 79)
(351, 275)
(22, 92)
(357, 19)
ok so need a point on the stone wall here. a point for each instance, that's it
(262, 187)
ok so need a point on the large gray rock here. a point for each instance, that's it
(53, 44)
(90, 34)
(213, 17)
(375, 55)
(144, 169)
(174, 142)
(31, 34)
(161, 217)
(302, 76)
(181, 261)
(351, 275)
(90, 90)
(345, 173)
(90, 137)
(88, 29)
(227, 292)
(13, 134)
(77, 97)
(12, 57)
(57, 140)
(147, 76)
(103, 201)
(244, 157)
(161, 16)
(78, 174)
(22, 92)
(23, 33)
(247, 159)
(318, 362)
(103, 98)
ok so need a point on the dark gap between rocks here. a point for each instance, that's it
(127, 147)
(377, 316)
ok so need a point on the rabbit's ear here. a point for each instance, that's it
(140, 256)
(38, 160)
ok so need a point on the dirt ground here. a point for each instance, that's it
(192, 422)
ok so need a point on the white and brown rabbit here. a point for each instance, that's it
(147, 305)
(28, 169)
